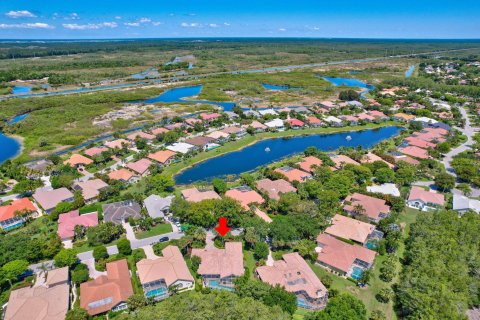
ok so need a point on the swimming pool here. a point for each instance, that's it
(215, 284)
(357, 273)
(159, 292)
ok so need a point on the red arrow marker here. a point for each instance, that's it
(222, 228)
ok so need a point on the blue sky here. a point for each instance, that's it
(87, 19)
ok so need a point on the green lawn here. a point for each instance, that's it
(155, 231)
(249, 261)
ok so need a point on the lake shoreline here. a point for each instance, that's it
(243, 143)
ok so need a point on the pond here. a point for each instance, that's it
(254, 156)
(409, 72)
(21, 89)
(10, 147)
(274, 87)
(349, 82)
(18, 118)
(181, 95)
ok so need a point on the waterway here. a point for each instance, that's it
(21, 89)
(274, 87)
(409, 72)
(9, 147)
(257, 155)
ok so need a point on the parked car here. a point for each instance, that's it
(163, 239)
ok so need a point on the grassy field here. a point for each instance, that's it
(242, 143)
(155, 231)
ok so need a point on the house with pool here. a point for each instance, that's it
(15, 214)
(220, 267)
(160, 275)
(346, 228)
(295, 275)
(424, 200)
(344, 259)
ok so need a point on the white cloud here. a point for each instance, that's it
(190, 25)
(144, 20)
(89, 26)
(36, 25)
(213, 25)
(282, 29)
(226, 24)
(157, 23)
(20, 14)
(118, 17)
(132, 24)
(72, 16)
(316, 28)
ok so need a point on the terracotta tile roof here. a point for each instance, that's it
(91, 188)
(77, 159)
(373, 207)
(117, 143)
(20, 206)
(371, 158)
(171, 267)
(199, 141)
(293, 274)
(350, 229)
(404, 116)
(92, 152)
(121, 174)
(245, 196)
(43, 302)
(210, 116)
(364, 116)
(377, 114)
(194, 195)
(262, 215)
(257, 125)
(418, 193)
(275, 188)
(105, 292)
(296, 123)
(406, 159)
(162, 156)
(48, 199)
(314, 120)
(218, 135)
(341, 160)
(416, 142)
(293, 174)
(349, 118)
(233, 130)
(140, 134)
(68, 221)
(223, 262)
(141, 166)
(415, 152)
(158, 131)
(341, 255)
(307, 164)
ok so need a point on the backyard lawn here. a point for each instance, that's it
(155, 231)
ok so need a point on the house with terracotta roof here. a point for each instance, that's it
(416, 142)
(48, 199)
(274, 188)
(209, 117)
(344, 259)
(262, 215)
(192, 121)
(108, 292)
(95, 151)
(123, 175)
(200, 141)
(314, 121)
(158, 131)
(158, 275)
(257, 126)
(341, 160)
(372, 157)
(77, 160)
(401, 157)
(295, 275)
(351, 229)
(351, 120)
(15, 214)
(163, 157)
(415, 152)
(373, 208)
(378, 115)
(233, 130)
(117, 144)
(140, 167)
(220, 267)
(403, 117)
(141, 135)
(308, 164)
(119, 212)
(293, 174)
(424, 200)
(365, 117)
(218, 135)
(68, 221)
(47, 301)
(295, 123)
(245, 196)
(90, 188)
(195, 195)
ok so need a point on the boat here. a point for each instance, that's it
(348, 138)
(267, 149)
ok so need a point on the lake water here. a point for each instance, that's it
(181, 95)
(274, 87)
(9, 147)
(21, 89)
(18, 118)
(349, 82)
(409, 72)
(255, 155)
